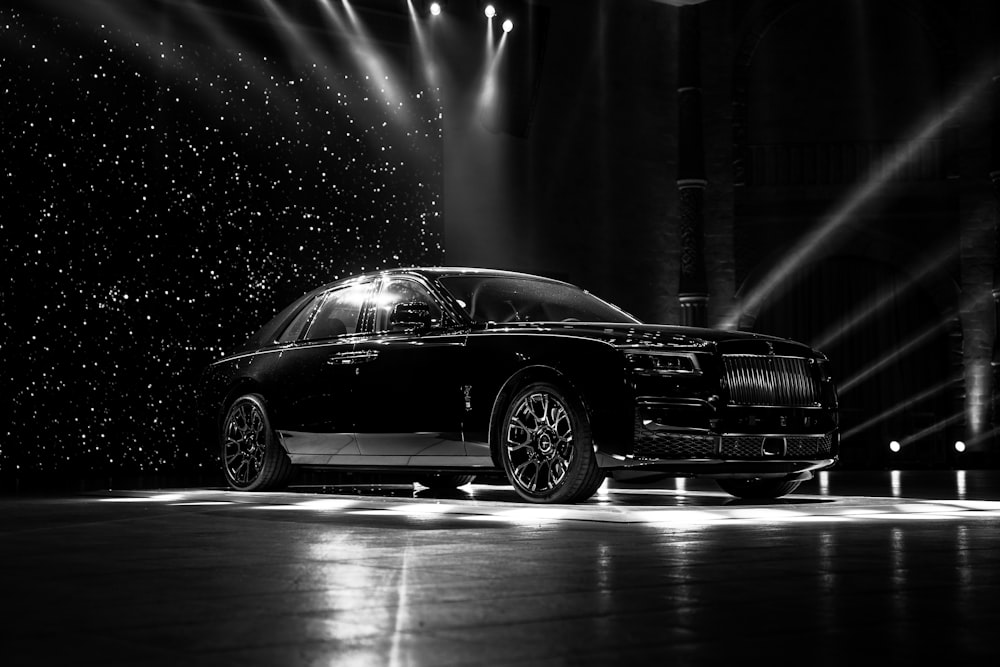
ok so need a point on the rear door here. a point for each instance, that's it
(311, 377)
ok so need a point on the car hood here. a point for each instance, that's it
(660, 336)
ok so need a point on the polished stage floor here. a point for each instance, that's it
(856, 568)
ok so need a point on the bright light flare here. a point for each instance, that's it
(959, 446)
(490, 11)
(435, 9)
(894, 446)
(507, 25)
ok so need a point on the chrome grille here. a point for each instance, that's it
(770, 380)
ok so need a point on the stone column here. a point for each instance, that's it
(995, 180)
(693, 289)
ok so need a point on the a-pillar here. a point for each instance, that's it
(691, 183)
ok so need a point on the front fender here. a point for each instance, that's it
(591, 371)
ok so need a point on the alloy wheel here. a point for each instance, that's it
(539, 442)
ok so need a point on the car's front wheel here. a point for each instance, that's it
(758, 489)
(546, 446)
(252, 459)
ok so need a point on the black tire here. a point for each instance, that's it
(546, 446)
(758, 489)
(444, 481)
(252, 458)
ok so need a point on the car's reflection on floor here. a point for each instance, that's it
(629, 496)
(663, 491)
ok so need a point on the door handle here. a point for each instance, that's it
(352, 358)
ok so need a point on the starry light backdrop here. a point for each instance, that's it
(160, 201)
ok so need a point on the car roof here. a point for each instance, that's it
(441, 271)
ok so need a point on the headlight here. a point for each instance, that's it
(657, 363)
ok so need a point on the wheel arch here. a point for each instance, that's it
(519, 379)
(241, 387)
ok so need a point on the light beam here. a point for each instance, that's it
(896, 409)
(880, 300)
(912, 343)
(822, 236)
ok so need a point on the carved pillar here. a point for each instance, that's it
(693, 290)
(994, 415)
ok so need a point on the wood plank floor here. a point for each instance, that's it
(857, 568)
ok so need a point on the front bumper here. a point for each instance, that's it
(729, 454)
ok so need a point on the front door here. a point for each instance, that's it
(410, 400)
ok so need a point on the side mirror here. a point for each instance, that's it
(410, 316)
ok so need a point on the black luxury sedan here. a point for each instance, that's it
(445, 373)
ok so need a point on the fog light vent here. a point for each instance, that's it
(773, 447)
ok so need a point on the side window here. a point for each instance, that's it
(339, 312)
(403, 290)
(294, 329)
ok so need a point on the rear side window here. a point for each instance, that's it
(294, 330)
(338, 312)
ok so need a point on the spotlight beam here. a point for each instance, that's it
(426, 57)
(299, 43)
(933, 428)
(489, 46)
(878, 301)
(985, 436)
(822, 235)
(915, 341)
(365, 55)
(896, 409)
(488, 91)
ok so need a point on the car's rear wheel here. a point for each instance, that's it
(252, 458)
(547, 448)
(758, 489)
(444, 481)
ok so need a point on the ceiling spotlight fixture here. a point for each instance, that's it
(490, 11)
(508, 25)
(436, 8)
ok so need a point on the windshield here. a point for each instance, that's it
(521, 299)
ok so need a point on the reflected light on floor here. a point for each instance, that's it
(160, 498)
(616, 509)
(823, 479)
